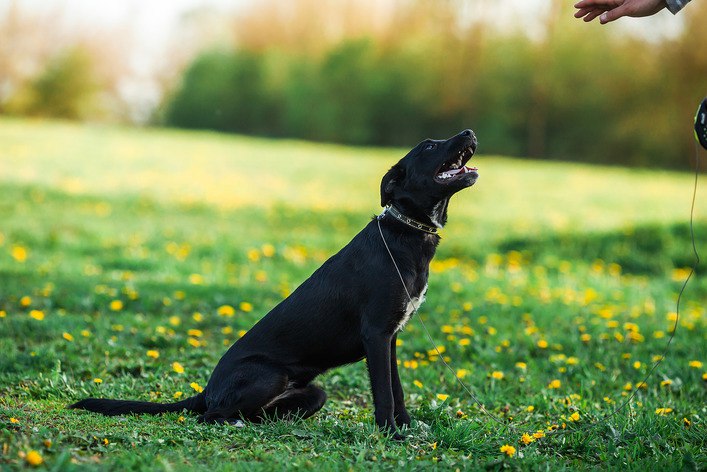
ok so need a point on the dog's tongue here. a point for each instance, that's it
(461, 170)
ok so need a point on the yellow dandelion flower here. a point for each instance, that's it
(196, 279)
(695, 364)
(246, 307)
(37, 315)
(442, 396)
(530, 409)
(508, 450)
(153, 353)
(34, 458)
(241, 333)
(666, 383)
(14, 420)
(198, 317)
(628, 386)
(663, 411)
(25, 301)
(447, 329)
(526, 439)
(253, 255)
(180, 419)
(542, 344)
(461, 373)
(398, 342)
(85, 333)
(437, 351)
(574, 416)
(261, 276)
(585, 337)
(193, 342)
(521, 365)
(177, 395)
(687, 423)
(19, 253)
(464, 342)
(637, 365)
(175, 320)
(3, 313)
(226, 310)
(67, 336)
(268, 250)
(554, 384)
(116, 305)
(539, 434)
(97, 381)
(497, 374)
(196, 387)
(177, 367)
(197, 333)
(572, 360)
(417, 383)
(226, 330)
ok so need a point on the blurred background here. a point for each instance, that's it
(532, 80)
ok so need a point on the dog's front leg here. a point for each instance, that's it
(402, 418)
(378, 357)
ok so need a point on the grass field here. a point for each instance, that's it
(130, 259)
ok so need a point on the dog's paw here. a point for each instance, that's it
(402, 419)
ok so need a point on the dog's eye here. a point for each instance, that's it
(430, 147)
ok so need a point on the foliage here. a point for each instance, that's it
(571, 94)
(66, 88)
(108, 278)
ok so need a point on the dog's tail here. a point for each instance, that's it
(196, 404)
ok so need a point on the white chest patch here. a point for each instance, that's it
(410, 308)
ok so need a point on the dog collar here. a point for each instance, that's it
(395, 213)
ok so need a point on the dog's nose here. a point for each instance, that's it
(469, 133)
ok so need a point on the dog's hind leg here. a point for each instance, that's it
(243, 394)
(294, 403)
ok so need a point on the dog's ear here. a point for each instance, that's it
(390, 180)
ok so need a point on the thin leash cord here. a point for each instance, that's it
(643, 382)
(429, 336)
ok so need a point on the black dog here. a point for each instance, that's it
(352, 307)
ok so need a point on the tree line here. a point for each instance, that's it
(572, 92)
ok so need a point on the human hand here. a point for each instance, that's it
(610, 10)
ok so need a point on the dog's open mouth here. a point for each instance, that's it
(455, 168)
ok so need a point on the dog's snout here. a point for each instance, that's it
(467, 133)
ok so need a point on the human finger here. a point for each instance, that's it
(614, 14)
(593, 14)
(581, 12)
(605, 4)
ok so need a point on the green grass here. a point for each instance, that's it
(173, 224)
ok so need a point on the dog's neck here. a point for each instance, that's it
(427, 221)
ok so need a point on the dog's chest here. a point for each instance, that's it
(410, 306)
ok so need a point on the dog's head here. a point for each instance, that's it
(430, 174)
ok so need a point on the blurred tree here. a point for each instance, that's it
(66, 88)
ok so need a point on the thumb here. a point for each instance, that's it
(614, 14)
